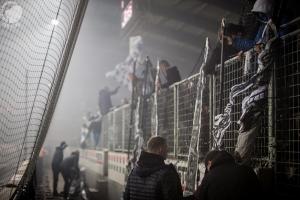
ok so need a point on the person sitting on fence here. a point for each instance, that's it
(104, 99)
(168, 75)
(226, 180)
(247, 27)
(56, 162)
(264, 11)
(152, 179)
(241, 37)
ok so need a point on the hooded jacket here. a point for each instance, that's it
(152, 179)
(70, 166)
(57, 158)
(227, 180)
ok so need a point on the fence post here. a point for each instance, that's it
(113, 133)
(175, 96)
(271, 117)
(123, 129)
(212, 107)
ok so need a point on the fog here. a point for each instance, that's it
(98, 49)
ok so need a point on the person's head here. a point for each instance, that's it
(217, 157)
(63, 145)
(164, 65)
(75, 153)
(233, 30)
(103, 90)
(210, 156)
(264, 7)
(158, 145)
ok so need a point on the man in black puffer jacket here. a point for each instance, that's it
(152, 179)
(227, 180)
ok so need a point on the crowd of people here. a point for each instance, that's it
(153, 179)
(68, 167)
(91, 128)
(224, 179)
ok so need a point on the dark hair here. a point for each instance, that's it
(156, 142)
(233, 29)
(164, 62)
(210, 156)
(75, 153)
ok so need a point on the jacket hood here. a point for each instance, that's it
(58, 148)
(149, 163)
(263, 6)
(221, 159)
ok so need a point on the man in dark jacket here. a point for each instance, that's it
(168, 75)
(56, 162)
(104, 99)
(226, 180)
(70, 170)
(152, 179)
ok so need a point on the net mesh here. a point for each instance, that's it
(34, 47)
(288, 117)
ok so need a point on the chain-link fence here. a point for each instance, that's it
(165, 112)
(287, 109)
(36, 42)
(175, 119)
(236, 71)
(277, 140)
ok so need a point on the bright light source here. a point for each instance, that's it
(127, 14)
(54, 22)
(10, 12)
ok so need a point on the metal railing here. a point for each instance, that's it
(277, 143)
(287, 116)
(175, 119)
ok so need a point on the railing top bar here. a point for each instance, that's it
(233, 59)
(290, 22)
(184, 80)
(290, 34)
(251, 50)
(119, 107)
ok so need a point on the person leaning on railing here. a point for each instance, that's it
(264, 10)
(169, 74)
(241, 37)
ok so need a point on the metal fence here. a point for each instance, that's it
(277, 143)
(36, 42)
(175, 119)
(287, 109)
(238, 70)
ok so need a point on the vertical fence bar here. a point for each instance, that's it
(175, 107)
(212, 107)
(271, 128)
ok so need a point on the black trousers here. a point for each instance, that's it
(67, 179)
(55, 179)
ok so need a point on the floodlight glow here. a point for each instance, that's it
(54, 22)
